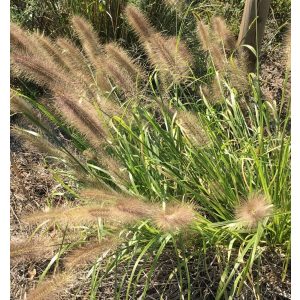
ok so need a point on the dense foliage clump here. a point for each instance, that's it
(168, 161)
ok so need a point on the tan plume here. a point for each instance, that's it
(88, 38)
(41, 72)
(170, 56)
(119, 78)
(75, 60)
(49, 50)
(218, 57)
(88, 253)
(82, 115)
(85, 215)
(18, 104)
(253, 210)
(204, 35)
(120, 57)
(52, 288)
(287, 47)
(114, 167)
(174, 217)
(20, 40)
(223, 33)
(237, 69)
(37, 143)
(191, 126)
(139, 22)
(32, 250)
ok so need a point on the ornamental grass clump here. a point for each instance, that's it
(159, 169)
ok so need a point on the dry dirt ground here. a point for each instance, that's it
(32, 187)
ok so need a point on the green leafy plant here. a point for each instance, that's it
(168, 162)
(52, 17)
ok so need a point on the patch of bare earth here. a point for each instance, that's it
(32, 187)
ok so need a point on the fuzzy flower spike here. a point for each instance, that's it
(255, 209)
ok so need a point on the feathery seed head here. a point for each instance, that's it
(74, 216)
(287, 48)
(135, 207)
(87, 215)
(204, 35)
(170, 56)
(212, 92)
(31, 250)
(190, 124)
(139, 22)
(18, 104)
(88, 253)
(88, 38)
(114, 167)
(52, 288)
(75, 61)
(119, 78)
(110, 107)
(21, 41)
(120, 57)
(49, 51)
(83, 117)
(177, 4)
(42, 72)
(217, 57)
(126, 204)
(238, 71)
(175, 217)
(253, 210)
(223, 33)
(37, 143)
